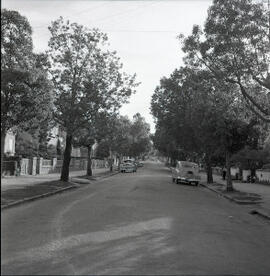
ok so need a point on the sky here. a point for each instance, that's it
(143, 33)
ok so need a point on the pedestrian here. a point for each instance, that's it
(224, 173)
(18, 170)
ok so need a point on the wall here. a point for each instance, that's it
(235, 173)
(10, 144)
(39, 165)
(245, 174)
(263, 175)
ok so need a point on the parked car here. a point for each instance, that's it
(128, 161)
(132, 160)
(186, 172)
(128, 167)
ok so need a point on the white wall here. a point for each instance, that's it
(245, 173)
(263, 175)
(10, 144)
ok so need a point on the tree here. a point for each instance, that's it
(234, 47)
(25, 89)
(95, 131)
(140, 136)
(251, 159)
(103, 149)
(87, 78)
(195, 111)
(120, 136)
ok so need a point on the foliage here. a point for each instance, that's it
(103, 149)
(198, 120)
(201, 109)
(87, 79)
(25, 89)
(140, 136)
(125, 137)
(234, 47)
(251, 159)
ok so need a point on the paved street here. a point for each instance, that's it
(134, 223)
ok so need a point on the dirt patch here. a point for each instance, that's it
(238, 195)
(215, 184)
(95, 177)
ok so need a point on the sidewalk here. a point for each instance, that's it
(17, 190)
(260, 189)
(15, 182)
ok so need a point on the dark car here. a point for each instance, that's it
(128, 165)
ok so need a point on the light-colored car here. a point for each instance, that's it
(139, 164)
(186, 172)
(128, 161)
(128, 167)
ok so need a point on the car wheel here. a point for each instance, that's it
(197, 184)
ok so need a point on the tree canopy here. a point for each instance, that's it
(87, 78)
(234, 46)
(25, 89)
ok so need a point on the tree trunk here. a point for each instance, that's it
(3, 137)
(209, 170)
(67, 157)
(111, 162)
(209, 173)
(228, 173)
(119, 161)
(89, 161)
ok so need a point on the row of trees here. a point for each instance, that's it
(115, 134)
(77, 84)
(218, 103)
(125, 138)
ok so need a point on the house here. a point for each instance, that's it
(28, 143)
(9, 148)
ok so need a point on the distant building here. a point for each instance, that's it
(10, 144)
(56, 136)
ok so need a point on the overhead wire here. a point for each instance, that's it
(124, 12)
(77, 13)
(116, 14)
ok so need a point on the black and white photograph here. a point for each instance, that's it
(135, 137)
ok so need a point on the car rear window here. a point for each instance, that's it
(188, 165)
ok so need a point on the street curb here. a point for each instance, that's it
(105, 176)
(28, 199)
(96, 178)
(254, 211)
(242, 202)
(260, 213)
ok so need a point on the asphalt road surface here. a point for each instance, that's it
(134, 223)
